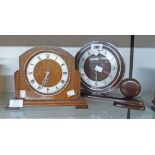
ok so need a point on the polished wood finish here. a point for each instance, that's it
(58, 99)
(52, 66)
(130, 87)
(117, 99)
(134, 105)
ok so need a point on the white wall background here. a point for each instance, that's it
(144, 60)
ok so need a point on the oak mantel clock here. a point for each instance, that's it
(47, 77)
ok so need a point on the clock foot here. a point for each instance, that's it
(11, 108)
(82, 107)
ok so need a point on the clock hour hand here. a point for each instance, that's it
(45, 81)
(100, 69)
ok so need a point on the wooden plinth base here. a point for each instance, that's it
(78, 103)
(129, 105)
(118, 100)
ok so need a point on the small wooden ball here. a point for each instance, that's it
(130, 87)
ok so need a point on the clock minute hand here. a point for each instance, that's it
(106, 72)
(45, 81)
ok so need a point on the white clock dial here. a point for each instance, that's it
(42, 70)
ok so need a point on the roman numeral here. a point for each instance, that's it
(62, 64)
(62, 81)
(32, 81)
(30, 73)
(39, 57)
(64, 73)
(83, 59)
(57, 88)
(39, 87)
(47, 55)
(48, 89)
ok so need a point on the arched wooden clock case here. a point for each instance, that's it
(47, 77)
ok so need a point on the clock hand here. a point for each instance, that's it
(96, 76)
(45, 81)
(106, 72)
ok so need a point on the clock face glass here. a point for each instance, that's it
(47, 73)
(100, 67)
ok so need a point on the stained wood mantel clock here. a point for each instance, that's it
(102, 69)
(47, 77)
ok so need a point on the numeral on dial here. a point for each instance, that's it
(32, 81)
(62, 64)
(64, 73)
(39, 87)
(47, 56)
(39, 57)
(30, 73)
(62, 81)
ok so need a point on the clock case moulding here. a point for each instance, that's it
(61, 98)
(113, 94)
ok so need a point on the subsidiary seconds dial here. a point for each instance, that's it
(47, 72)
(101, 66)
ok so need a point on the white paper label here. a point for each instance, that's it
(96, 47)
(22, 93)
(14, 103)
(70, 93)
(98, 68)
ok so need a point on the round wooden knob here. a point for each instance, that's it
(130, 87)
